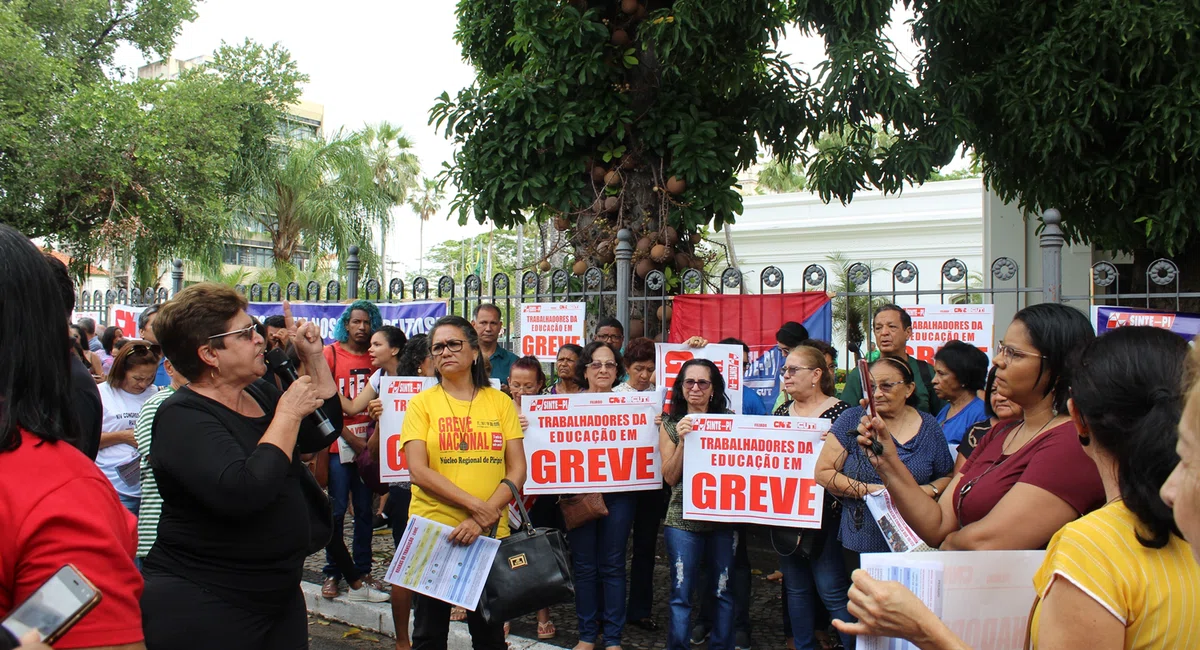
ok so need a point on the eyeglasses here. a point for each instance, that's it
(702, 384)
(246, 333)
(1010, 353)
(788, 371)
(453, 345)
(603, 365)
(888, 386)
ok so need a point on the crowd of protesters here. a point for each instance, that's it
(189, 485)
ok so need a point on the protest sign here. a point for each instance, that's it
(1182, 323)
(94, 315)
(396, 393)
(670, 357)
(547, 326)
(935, 325)
(591, 442)
(985, 595)
(412, 317)
(753, 470)
(126, 318)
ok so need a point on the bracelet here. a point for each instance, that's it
(935, 490)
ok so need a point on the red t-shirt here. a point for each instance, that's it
(1053, 461)
(56, 508)
(351, 372)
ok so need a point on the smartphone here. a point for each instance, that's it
(55, 607)
(868, 390)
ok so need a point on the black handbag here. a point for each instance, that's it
(531, 571)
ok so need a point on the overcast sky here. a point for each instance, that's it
(373, 60)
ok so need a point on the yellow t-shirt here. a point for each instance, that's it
(465, 442)
(1153, 592)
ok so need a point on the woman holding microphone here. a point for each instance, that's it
(238, 505)
(456, 467)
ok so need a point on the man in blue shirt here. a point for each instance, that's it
(146, 333)
(488, 324)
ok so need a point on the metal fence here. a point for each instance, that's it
(644, 302)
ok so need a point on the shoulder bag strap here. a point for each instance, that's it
(520, 506)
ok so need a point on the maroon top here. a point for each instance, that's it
(1053, 461)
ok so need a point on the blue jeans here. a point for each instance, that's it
(686, 554)
(827, 572)
(132, 504)
(345, 483)
(598, 561)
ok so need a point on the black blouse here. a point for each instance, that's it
(234, 519)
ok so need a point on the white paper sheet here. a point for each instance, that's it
(428, 563)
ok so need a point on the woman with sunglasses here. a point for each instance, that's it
(1027, 478)
(598, 547)
(240, 511)
(916, 441)
(565, 366)
(130, 383)
(691, 545)
(462, 440)
(813, 557)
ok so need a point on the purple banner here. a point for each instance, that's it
(1182, 323)
(412, 317)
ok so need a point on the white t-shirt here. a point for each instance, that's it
(120, 412)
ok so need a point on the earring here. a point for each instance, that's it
(1085, 441)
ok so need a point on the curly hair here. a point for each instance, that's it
(339, 331)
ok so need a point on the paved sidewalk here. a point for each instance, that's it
(765, 605)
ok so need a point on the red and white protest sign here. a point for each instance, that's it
(126, 318)
(547, 326)
(934, 325)
(750, 469)
(591, 442)
(728, 359)
(396, 393)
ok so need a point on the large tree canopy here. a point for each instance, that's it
(1088, 106)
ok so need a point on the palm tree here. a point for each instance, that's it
(319, 195)
(425, 203)
(394, 167)
(778, 178)
(851, 314)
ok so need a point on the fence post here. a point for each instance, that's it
(624, 254)
(176, 277)
(1052, 241)
(352, 272)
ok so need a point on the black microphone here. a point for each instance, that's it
(278, 363)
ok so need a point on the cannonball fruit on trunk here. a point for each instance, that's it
(561, 223)
(629, 7)
(670, 236)
(643, 245)
(579, 268)
(612, 179)
(598, 173)
(664, 313)
(620, 38)
(659, 253)
(676, 185)
(611, 204)
(643, 267)
(544, 266)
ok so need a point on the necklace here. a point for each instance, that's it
(462, 443)
(1004, 454)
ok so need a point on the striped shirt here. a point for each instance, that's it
(1151, 591)
(151, 507)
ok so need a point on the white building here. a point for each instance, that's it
(926, 226)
